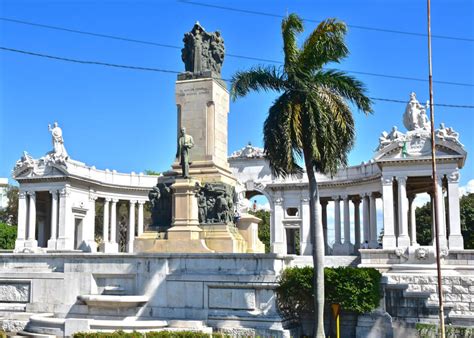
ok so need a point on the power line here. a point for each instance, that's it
(157, 44)
(99, 63)
(160, 70)
(377, 29)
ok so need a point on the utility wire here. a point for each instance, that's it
(160, 70)
(156, 44)
(368, 28)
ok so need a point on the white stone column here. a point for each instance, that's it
(31, 241)
(412, 220)
(389, 241)
(140, 218)
(22, 214)
(357, 239)
(373, 243)
(456, 241)
(337, 220)
(403, 238)
(324, 220)
(441, 215)
(105, 224)
(89, 226)
(54, 220)
(113, 221)
(66, 229)
(366, 217)
(305, 236)
(348, 247)
(277, 236)
(131, 226)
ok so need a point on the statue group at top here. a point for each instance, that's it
(415, 115)
(418, 126)
(203, 51)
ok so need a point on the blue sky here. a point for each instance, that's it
(126, 120)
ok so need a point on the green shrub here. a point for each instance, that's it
(356, 289)
(431, 331)
(7, 236)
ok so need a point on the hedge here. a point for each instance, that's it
(355, 289)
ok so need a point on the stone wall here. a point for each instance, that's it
(221, 290)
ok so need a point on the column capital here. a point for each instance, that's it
(387, 180)
(345, 197)
(107, 199)
(22, 194)
(114, 200)
(453, 177)
(64, 192)
(141, 202)
(31, 193)
(278, 200)
(53, 192)
(356, 200)
(402, 180)
(335, 197)
(132, 202)
(323, 202)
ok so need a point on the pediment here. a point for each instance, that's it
(39, 170)
(417, 146)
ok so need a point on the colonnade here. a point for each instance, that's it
(72, 223)
(399, 216)
(369, 222)
(111, 225)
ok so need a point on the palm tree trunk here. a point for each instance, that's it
(317, 241)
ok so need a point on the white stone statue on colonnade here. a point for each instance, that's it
(415, 115)
(59, 152)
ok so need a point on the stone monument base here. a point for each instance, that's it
(224, 238)
(176, 241)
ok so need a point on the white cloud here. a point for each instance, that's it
(421, 200)
(467, 189)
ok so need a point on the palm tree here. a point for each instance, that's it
(311, 120)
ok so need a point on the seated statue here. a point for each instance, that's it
(395, 135)
(383, 140)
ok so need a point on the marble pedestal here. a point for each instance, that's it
(203, 106)
(248, 228)
(224, 238)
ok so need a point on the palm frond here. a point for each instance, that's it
(281, 150)
(258, 78)
(290, 27)
(345, 85)
(325, 44)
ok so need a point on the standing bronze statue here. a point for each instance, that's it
(185, 142)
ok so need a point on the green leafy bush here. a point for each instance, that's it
(431, 331)
(7, 236)
(355, 289)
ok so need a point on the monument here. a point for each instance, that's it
(194, 204)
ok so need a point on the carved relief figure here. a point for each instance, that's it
(160, 199)
(185, 142)
(216, 203)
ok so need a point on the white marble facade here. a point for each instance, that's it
(58, 196)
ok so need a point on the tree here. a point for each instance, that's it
(424, 224)
(311, 120)
(9, 215)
